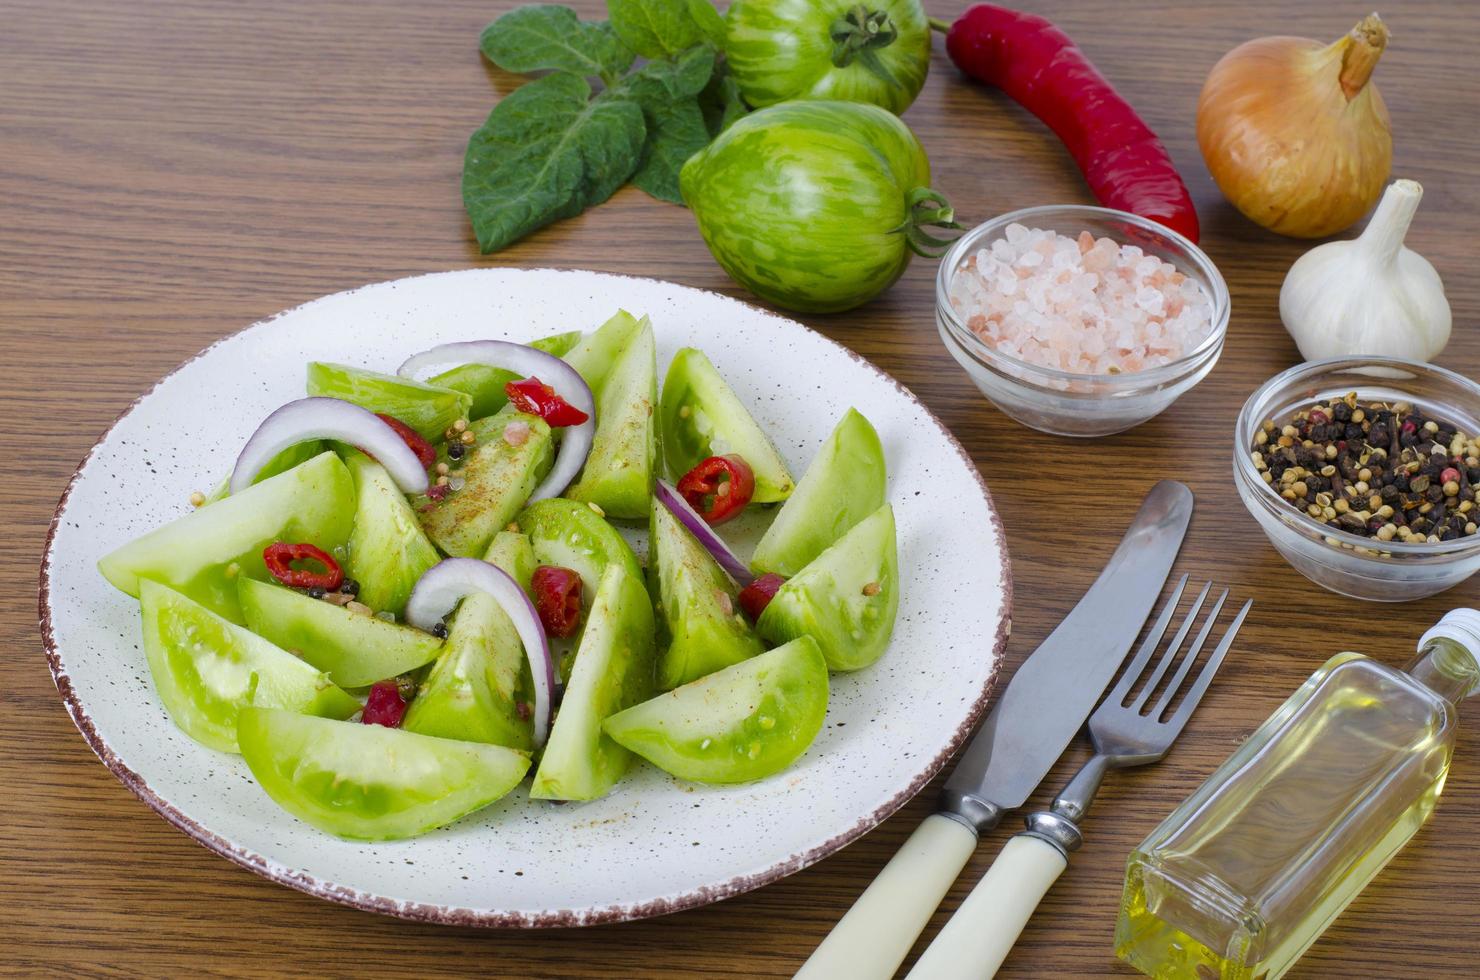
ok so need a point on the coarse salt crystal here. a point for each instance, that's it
(1082, 305)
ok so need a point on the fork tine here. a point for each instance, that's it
(1200, 686)
(1148, 647)
(1189, 658)
(1176, 644)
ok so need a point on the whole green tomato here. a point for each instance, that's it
(874, 52)
(815, 205)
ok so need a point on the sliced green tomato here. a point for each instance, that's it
(599, 350)
(353, 649)
(485, 385)
(846, 599)
(207, 669)
(697, 606)
(843, 485)
(281, 463)
(474, 690)
(618, 475)
(203, 553)
(426, 408)
(613, 670)
(388, 551)
(571, 535)
(745, 722)
(369, 782)
(702, 417)
(498, 478)
(512, 552)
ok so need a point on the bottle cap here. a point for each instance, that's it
(1460, 625)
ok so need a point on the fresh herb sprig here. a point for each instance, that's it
(558, 145)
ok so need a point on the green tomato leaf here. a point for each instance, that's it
(658, 83)
(538, 37)
(655, 28)
(721, 102)
(709, 21)
(676, 131)
(546, 152)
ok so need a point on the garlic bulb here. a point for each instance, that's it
(1371, 295)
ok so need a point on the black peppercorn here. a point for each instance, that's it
(1342, 412)
(315, 593)
(439, 630)
(455, 450)
(349, 587)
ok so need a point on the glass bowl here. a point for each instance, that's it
(1062, 402)
(1346, 563)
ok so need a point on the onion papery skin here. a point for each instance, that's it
(1294, 132)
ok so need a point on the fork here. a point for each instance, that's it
(977, 938)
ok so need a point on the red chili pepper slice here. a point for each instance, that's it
(385, 705)
(557, 598)
(280, 555)
(719, 487)
(413, 440)
(756, 596)
(533, 397)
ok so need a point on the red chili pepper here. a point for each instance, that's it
(413, 440)
(719, 487)
(385, 706)
(533, 397)
(279, 558)
(1044, 71)
(756, 596)
(557, 598)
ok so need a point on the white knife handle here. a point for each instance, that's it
(979, 936)
(876, 934)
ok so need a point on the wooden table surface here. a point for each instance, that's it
(171, 171)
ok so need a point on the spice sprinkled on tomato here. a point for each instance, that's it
(279, 558)
(533, 397)
(385, 706)
(557, 598)
(425, 454)
(756, 596)
(719, 487)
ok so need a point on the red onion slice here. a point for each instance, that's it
(448, 582)
(669, 496)
(575, 440)
(329, 418)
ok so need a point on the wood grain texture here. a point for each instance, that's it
(173, 170)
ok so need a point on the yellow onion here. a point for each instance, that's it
(1295, 132)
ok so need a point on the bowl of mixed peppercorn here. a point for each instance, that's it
(1364, 474)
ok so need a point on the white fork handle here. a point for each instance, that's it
(876, 934)
(979, 936)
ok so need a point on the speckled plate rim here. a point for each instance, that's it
(553, 918)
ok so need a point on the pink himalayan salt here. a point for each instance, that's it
(1087, 307)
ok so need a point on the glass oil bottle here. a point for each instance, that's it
(1242, 877)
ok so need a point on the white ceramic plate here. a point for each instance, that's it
(654, 844)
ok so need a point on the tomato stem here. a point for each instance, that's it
(928, 209)
(860, 34)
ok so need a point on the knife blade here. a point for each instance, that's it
(1055, 689)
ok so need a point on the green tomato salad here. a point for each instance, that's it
(412, 593)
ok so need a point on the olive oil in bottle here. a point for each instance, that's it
(1242, 877)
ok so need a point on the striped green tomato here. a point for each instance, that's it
(815, 205)
(828, 49)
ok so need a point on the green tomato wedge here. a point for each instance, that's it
(388, 551)
(512, 552)
(702, 417)
(846, 599)
(426, 408)
(369, 782)
(207, 669)
(202, 553)
(498, 478)
(745, 722)
(843, 485)
(570, 535)
(618, 475)
(613, 670)
(599, 350)
(355, 650)
(281, 463)
(485, 385)
(697, 606)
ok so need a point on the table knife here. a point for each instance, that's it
(1032, 723)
